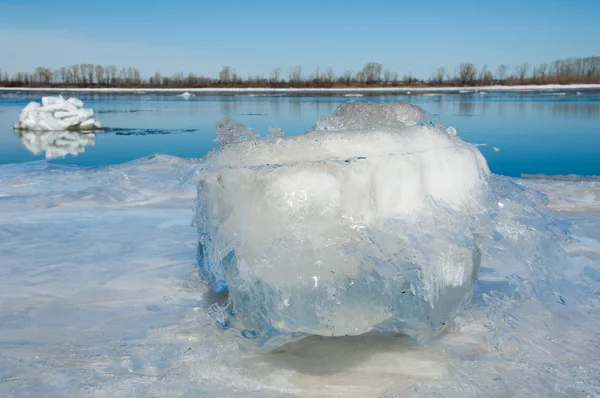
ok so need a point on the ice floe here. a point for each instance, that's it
(56, 114)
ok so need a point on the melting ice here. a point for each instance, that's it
(371, 222)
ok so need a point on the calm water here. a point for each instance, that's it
(535, 133)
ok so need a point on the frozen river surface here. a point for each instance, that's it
(101, 296)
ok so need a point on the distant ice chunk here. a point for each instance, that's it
(56, 114)
(186, 95)
(370, 222)
(56, 144)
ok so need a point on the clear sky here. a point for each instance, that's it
(255, 36)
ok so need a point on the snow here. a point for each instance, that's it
(372, 222)
(56, 114)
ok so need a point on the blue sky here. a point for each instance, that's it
(256, 36)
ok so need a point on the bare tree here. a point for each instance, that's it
(361, 77)
(111, 73)
(502, 72)
(329, 75)
(387, 76)
(485, 76)
(346, 77)
(372, 72)
(467, 73)
(99, 69)
(65, 75)
(90, 73)
(296, 74)
(439, 75)
(226, 75)
(75, 73)
(522, 71)
(539, 72)
(275, 75)
(156, 79)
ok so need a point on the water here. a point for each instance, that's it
(536, 133)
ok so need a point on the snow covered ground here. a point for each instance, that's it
(100, 296)
(463, 90)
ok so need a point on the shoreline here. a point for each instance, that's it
(349, 90)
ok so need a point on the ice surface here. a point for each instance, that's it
(370, 222)
(100, 296)
(56, 114)
(56, 144)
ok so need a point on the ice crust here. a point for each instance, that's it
(369, 222)
(98, 299)
(56, 114)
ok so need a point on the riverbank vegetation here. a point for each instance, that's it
(373, 74)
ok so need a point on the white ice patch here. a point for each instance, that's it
(567, 193)
(56, 114)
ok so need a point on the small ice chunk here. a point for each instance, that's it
(275, 132)
(56, 114)
(186, 95)
(47, 101)
(496, 149)
(230, 131)
(76, 102)
(87, 124)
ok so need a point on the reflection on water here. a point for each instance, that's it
(56, 144)
(466, 108)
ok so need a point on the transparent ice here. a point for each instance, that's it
(372, 222)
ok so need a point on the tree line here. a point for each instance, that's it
(565, 71)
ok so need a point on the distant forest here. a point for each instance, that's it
(373, 74)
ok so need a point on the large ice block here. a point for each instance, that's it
(367, 223)
(56, 114)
